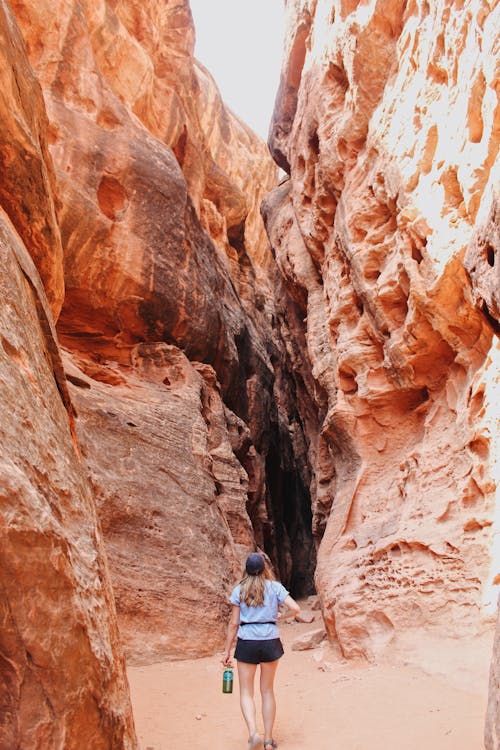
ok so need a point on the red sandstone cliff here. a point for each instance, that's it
(387, 121)
(62, 675)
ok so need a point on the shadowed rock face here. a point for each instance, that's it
(162, 444)
(386, 234)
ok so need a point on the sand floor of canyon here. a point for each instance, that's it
(427, 697)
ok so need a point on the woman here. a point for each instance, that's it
(255, 603)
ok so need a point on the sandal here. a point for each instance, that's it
(270, 743)
(254, 742)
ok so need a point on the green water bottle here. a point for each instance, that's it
(227, 680)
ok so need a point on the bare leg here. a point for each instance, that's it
(267, 674)
(246, 674)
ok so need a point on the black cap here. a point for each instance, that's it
(255, 564)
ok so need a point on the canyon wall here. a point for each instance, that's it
(171, 337)
(145, 406)
(203, 394)
(386, 233)
(62, 673)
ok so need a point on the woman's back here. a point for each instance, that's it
(259, 622)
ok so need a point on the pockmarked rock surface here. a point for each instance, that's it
(386, 234)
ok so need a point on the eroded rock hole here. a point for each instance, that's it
(347, 379)
(416, 254)
(112, 198)
(338, 74)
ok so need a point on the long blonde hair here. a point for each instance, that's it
(252, 588)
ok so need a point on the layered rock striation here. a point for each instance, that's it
(386, 234)
(171, 496)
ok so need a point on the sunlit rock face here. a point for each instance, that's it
(62, 673)
(187, 425)
(119, 64)
(227, 169)
(386, 234)
(63, 679)
(26, 189)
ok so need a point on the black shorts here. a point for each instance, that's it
(255, 652)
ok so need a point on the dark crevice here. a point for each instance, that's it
(289, 541)
(236, 396)
(79, 382)
(180, 147)
(493, 322)
(236, 237)
(416, 254)
(314, 144)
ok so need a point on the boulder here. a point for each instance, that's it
(309, 640)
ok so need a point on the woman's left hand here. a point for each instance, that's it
(226, 659)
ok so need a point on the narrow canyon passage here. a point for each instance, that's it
(210, 344)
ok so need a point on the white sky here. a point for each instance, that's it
(240, 42)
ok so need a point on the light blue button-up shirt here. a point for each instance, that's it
(259, 628)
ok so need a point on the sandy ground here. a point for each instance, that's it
(420, 701)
